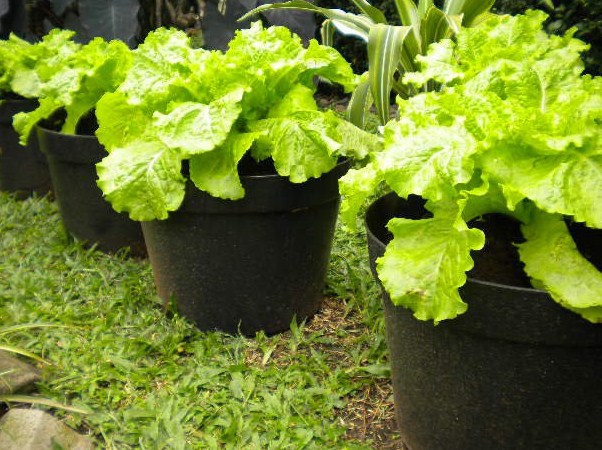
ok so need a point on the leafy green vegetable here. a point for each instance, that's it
(211, 108)
(24, 67)
(439, 254)
(552, 260)
(515, 129)
(147, 171)
(75, 81)
(392, 49)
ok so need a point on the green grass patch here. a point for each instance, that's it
(153, 381)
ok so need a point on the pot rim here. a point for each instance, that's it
(59, 133)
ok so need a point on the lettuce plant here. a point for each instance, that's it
(392, 49)
(75, 82)
(516, 129)
(24, 67)
(210, 108)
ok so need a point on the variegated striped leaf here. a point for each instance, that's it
(347, 28)
(357, 23)
(470, 9)
(424, 6)
(360, 103)
(374, 13)
(408, 12)
(412, 46)
(435, 26)
(327, 32)
(385, 45)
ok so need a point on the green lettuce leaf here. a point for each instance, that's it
(194, 127)
(328, 64)
(437, 65)
(24, 123)
(78, 83)
(120, 122)
(302, 144)
(430, 162)
(143, 179)
(552, 260)
(356, 186)
(568, 183)
(275, 62)
(216, 172)
(160, 63)
(272, 62)
(355, 142)
(299, 98)
(24, 67)
(108, 65)
(14, 56)
(425, 264)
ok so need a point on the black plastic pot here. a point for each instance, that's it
(85, 213)
(23, 170)
(251, 264)
(516, 371)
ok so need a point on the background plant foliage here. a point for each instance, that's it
(584, 14)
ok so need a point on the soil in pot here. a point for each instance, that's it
(516, 371)
(23, 170)
(252, 264)
(85, 213)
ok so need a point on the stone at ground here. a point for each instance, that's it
(16, 376)
(33, 429)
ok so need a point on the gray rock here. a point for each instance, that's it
(16, 376)
(33, 429)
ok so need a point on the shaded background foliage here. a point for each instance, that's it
(586, 15)
(210, 22)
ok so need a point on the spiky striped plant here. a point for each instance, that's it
(392, 49)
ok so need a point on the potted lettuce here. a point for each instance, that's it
(65, 123)
(22, 68)
(504, 162)
(233, 171)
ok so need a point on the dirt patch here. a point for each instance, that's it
(371, 416)
(498, 261)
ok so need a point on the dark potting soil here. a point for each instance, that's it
(588, 241)
(498, 261)
(11, 96)
(86, 126)
(248, 166)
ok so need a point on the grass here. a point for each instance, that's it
(153, 381)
